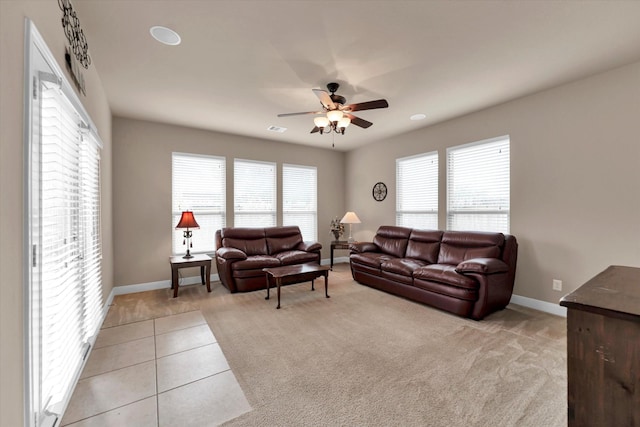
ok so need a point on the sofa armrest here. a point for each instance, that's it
(231, 253)
(482, 266)
(309, 246)
(360, 247)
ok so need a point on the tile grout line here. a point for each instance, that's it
(155, 361)
(104, 412)
(181, 329)
(188, 349)
(195, 381)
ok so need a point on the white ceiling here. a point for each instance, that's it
(242, 62)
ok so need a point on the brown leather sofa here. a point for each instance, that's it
(470, 274)
(242, 253)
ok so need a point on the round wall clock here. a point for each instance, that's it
(379, 191)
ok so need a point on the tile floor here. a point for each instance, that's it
(167, 371)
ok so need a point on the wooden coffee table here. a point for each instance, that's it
(290, 274)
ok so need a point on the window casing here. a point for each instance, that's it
(300, 199)
(417, 191)
(478, 187)
(254, 197)
(198, 185)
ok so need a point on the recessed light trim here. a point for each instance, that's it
(165, 35)
(418, 116)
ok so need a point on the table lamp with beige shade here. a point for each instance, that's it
(350, 218)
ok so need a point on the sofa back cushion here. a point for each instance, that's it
(251, 241)
(458, 246)
(392, 240)
(424, 245)
(280, 239)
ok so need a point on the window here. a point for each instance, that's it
(478, 186)
(65, 263)
(417, 191)
(198, 185)
(299, 199)
(254, 198)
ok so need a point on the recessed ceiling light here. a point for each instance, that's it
(418, 117)
(165, 35)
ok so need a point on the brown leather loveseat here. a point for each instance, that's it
(242, 253)
(470, 274)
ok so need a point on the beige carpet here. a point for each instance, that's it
(367, 358)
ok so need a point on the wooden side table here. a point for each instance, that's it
(203, 261)
(339, 244)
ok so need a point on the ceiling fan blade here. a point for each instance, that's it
(369, 105)
(325, 99)
(358, 121)
(315, 129)
(300, 114)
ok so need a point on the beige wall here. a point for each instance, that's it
(575, 177)
(47, 17)
(142, 188)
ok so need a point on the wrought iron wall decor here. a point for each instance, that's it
(74, 33)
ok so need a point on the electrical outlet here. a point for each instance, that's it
(557, 285)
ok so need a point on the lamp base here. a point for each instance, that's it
(187, 255)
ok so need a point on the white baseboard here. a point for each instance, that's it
(162, 284)
(539, 305)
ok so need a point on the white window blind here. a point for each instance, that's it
(478, 190)
(300, 199)
(254, 199)
(198, 185)
(417, 191)
(66, 278)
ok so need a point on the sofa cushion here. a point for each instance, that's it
(296, 257)
(402, 266)
(424, 245)
(446, 274)
(372, 259)
(256, 262)
(400, 278)
(281, 239)
(458, 246)
(392, 240)
(251, 241)
(448, 290)
(281, 244)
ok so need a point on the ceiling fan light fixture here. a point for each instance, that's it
(337, 113)
(334, 115)
(321, 122)
(344, 122)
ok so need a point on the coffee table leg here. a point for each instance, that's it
(278, 282)
(326, 284)
(312, 288)
(267, 274)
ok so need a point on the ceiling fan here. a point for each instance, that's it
(336, 113)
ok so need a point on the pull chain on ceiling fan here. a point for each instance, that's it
(336, 116)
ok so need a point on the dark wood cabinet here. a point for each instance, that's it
(603, 349)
